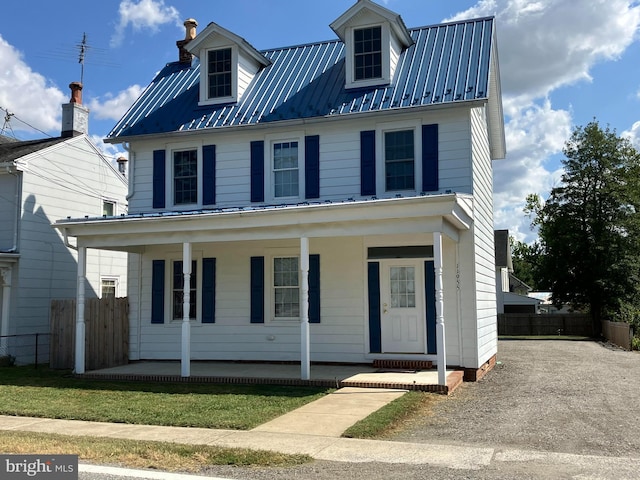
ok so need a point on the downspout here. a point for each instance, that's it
(66, 240)
(131, 183)
(18, 208)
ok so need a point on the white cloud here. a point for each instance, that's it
(113, 107)
(633, 134)
(546, 44)
(534, 135)
(27, 94)
(143, 15)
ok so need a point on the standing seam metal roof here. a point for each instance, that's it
(448, 63)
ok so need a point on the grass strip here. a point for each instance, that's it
(390, 418)
(171, 457)
(25, 391)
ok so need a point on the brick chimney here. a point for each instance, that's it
(75, 117)
(190, 33)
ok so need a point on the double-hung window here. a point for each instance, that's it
(108, 287)
(399, 160)
(286, 288)
(219, 69)
(286, 173)
(177, 288)
(185, 177)
(367, 43)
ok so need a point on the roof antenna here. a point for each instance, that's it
(82, 46)
(7, 124)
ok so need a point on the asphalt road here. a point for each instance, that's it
(551, 409)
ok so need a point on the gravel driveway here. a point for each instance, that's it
(560, 396)
(553, 395)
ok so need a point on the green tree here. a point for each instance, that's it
(589, 227)
(526, 263)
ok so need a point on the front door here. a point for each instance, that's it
(402, 309)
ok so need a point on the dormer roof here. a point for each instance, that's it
(360, 9)
(207, 37)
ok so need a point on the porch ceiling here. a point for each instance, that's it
(449, 214)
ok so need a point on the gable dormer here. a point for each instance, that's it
(228, 64)
(374, 38)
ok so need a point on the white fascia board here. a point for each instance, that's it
(409, 215)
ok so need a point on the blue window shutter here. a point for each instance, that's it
(159, 177)
(157, 291)
(314, 288)
(430, 158)
(430, 300)
(257, 289)
(368, 162)
(209, 175)
(375, 332)
(257, 171)
(312, 166)
(208, 290)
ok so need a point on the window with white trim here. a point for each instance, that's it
(177, 290)
(185, 177)
(108, 287)
(108, 208)
(286, 288)
(399, 160)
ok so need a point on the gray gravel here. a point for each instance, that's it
(560, 396)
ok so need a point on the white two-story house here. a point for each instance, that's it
(42, 181)
(329, 202)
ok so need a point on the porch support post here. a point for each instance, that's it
(4, 314)
(305, 357)
(185, 361)
(80, 321)
(440, 343)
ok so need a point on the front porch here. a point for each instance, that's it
(324, 375)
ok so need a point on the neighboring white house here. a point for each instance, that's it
(329, 202)
(512, 293)
(42, 181)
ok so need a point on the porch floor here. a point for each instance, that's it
(336, 376)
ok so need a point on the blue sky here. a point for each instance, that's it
(563, 63)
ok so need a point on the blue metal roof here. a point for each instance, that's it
(447, 63)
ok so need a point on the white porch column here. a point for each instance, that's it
(4, 314)
(185, 361)
(440, 343)
(305, 357)
(80, 322)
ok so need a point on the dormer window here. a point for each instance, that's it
(228, 65)
(367, 43)
(220, 73)
(374, 39)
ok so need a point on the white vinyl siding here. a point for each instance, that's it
(66, 180)
(339, 159)
(484, 240)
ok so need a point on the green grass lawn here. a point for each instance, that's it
(25, 391)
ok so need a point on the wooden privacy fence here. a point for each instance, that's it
(577, 324)
(618, 333)
(106, 333)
